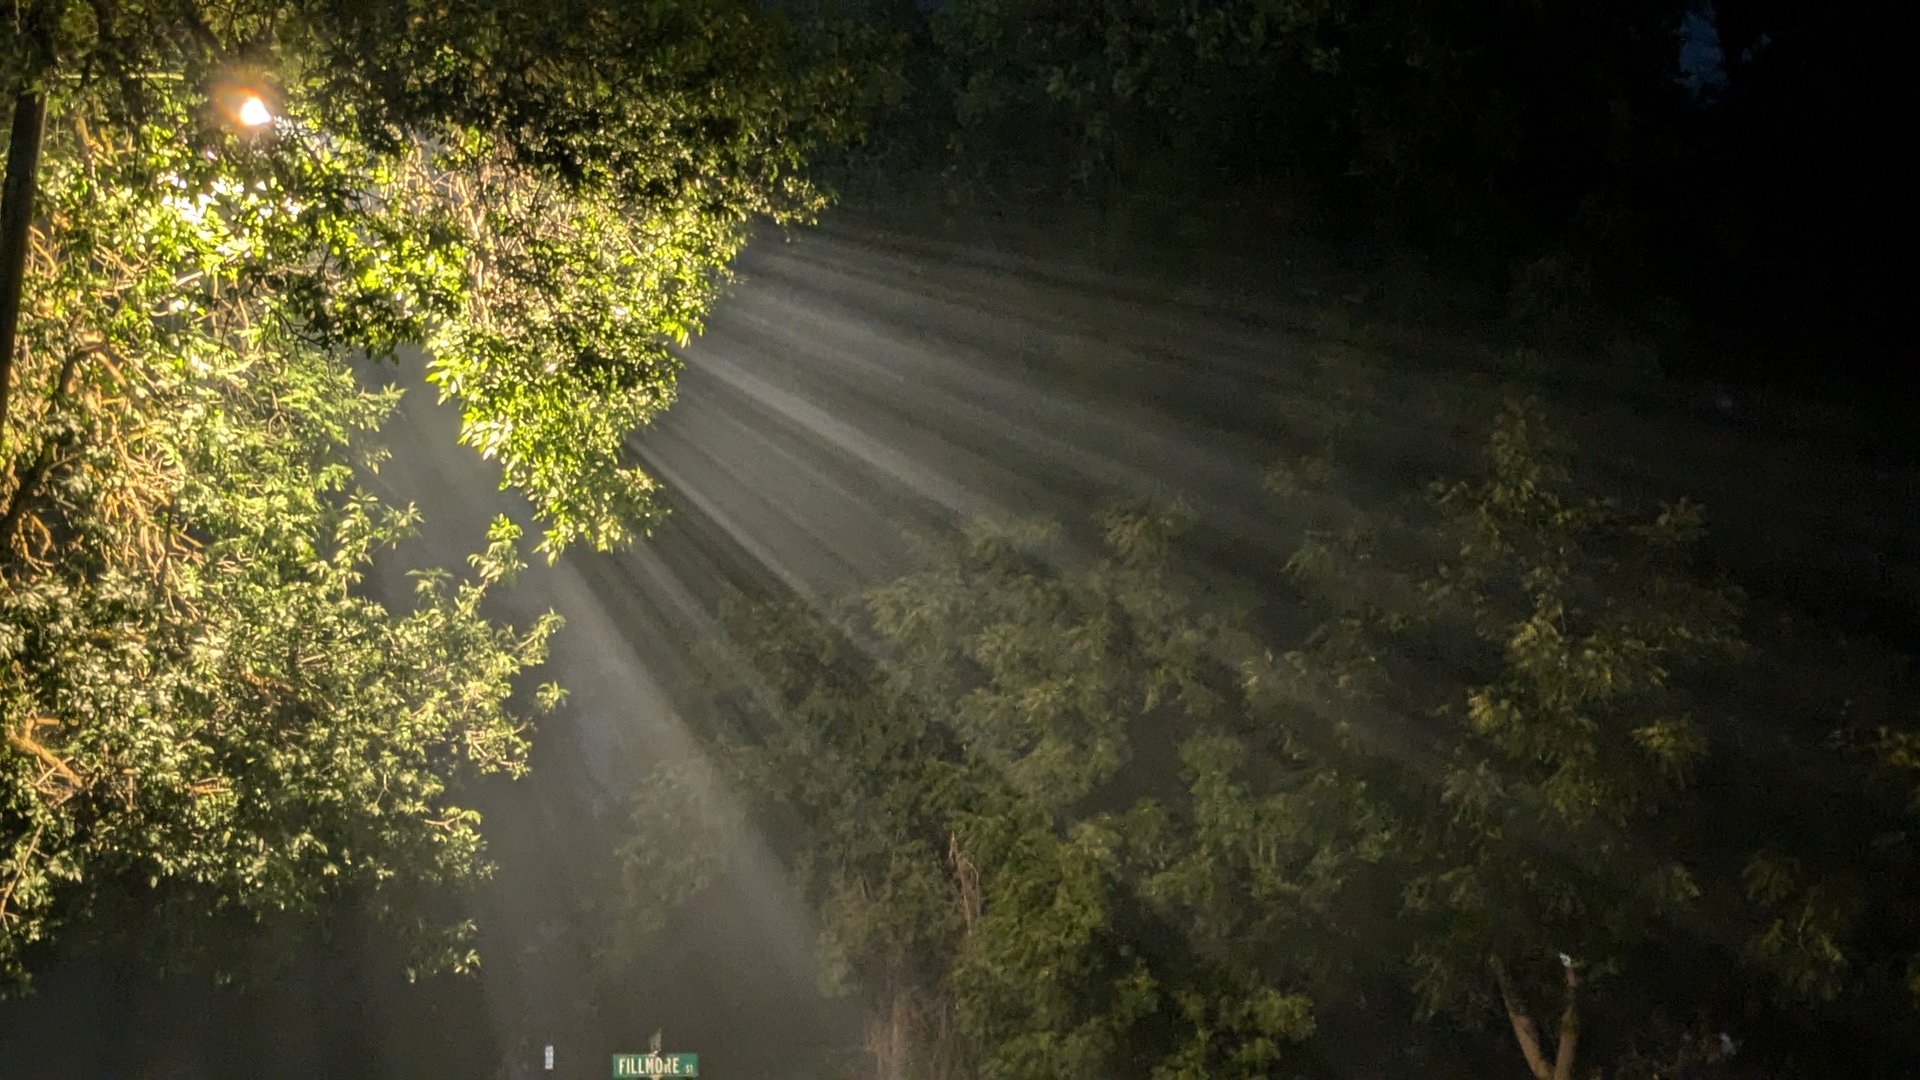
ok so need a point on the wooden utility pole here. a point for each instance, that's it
(16, 221)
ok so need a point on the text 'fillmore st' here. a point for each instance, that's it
(656, 1065)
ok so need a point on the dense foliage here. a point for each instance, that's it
(1521, 145)
(1523, 794)
(200, 699)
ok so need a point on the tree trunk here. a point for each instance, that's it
(16, 221)
(1527, 1034)
(1569, 1041)
(890, 1039)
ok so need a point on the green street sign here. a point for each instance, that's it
(656, 1065)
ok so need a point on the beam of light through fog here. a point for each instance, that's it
(843, 395)
(856, 385)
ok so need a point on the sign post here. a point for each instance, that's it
(655, 1064)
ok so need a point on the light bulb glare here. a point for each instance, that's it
(254, 113)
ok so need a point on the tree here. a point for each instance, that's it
(1589, 810)
(965, 771)
(1520, 793)
(199, 696)
(1501, 689)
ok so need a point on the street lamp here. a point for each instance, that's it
(245, 102)
(254, 112)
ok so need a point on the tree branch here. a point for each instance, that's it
(1569, 1030)
(20, 873)
(22, 740)
(29, 482)
(1524, 1031)
(23, 492)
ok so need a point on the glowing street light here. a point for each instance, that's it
(254, 112)
(244, 100)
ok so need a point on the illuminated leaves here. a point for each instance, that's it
(197, 692)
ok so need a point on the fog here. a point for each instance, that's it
(853, 387)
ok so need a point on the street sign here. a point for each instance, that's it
(650, 1065)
